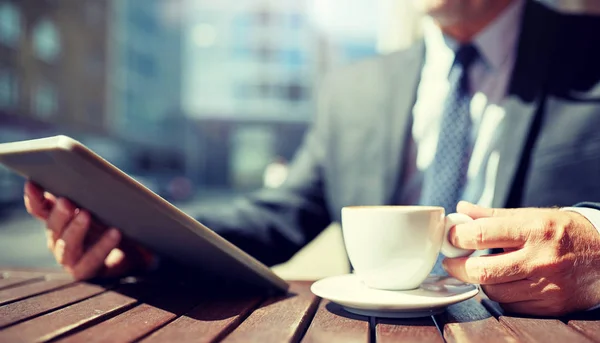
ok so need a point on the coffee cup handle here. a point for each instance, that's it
(448, 249)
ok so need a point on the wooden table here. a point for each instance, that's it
(37, 306)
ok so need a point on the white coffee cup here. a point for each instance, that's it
(396, 247)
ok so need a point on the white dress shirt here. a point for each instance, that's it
(489, 80)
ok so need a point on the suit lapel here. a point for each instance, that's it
(517, 124)
(524, 103)
(402, 91)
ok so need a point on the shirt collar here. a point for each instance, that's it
(495, 43)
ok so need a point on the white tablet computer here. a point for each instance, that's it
(66, 168)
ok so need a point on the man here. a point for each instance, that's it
(498, 105)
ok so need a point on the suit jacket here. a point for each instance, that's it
(549, 154)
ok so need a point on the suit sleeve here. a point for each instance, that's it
(273, 224)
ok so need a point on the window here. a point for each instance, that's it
(46, 41)
(265, 89)
(266, 54)
(45, 102)
(292, 57)
(296, 20)
(142, 64)
(10, 24)
(293, 92)
(264, 17)
(144, 21)
(8, 90)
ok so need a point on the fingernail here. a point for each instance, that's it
(60, 244)
(114, 234)
(80, 218)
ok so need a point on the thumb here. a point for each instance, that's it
(476, 211)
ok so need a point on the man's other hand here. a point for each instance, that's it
(550, 264)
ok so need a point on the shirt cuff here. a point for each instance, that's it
(593, 216)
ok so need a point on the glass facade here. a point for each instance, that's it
(8, 89)
(45, 100)
(213, 91)
(46, 40)
(10, 24)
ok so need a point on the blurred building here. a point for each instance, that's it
(52, 73)
(145, 72)
(53, 65)
(111, 74)
(250, 75)
(105, 72)
(249, 60)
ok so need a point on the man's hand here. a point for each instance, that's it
(550, 264)
(84, 248)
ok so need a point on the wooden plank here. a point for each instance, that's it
(333, 324)
(44, 271)
(32, 273)
(51, 325)
(7, 282)
(469, 321)
(37, 305)
(493, 307)
(139, 321)
(31, 289)
(542, 330)
(407, 330)
(590, 328)
(280, 319)
(210, 321)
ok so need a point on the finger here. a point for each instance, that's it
(489, 233)
(50, 240)
(489, 269)
(36, 202)
(93, 260)
(73, 239)
(512, 292)
(476, 211)
(60, 216)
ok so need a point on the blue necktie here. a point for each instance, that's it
(444, 180)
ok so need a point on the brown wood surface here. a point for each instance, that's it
(30, 289)
(469, 321)
(542, 330)
(41, 307)
(51, 325)
(30, 307)
(280, 319)
(407, 330)
(163, 306)
(334, 324)
(19, 271)
(207, 322)
(49, 274)
(590, 328)
(8, 282)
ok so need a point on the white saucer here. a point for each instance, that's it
(433, 296)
